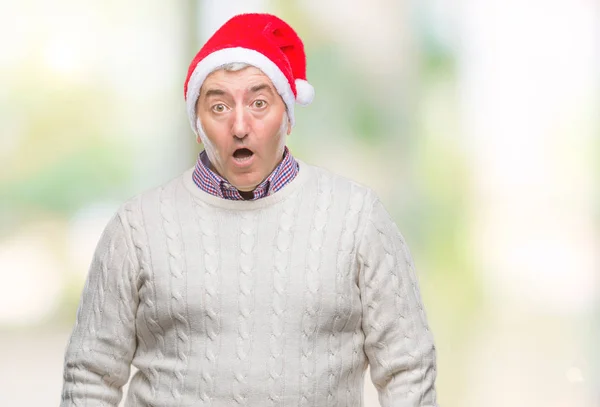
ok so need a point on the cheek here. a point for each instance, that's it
(212, 146)
(272, 133)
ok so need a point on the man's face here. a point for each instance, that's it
(243, 125)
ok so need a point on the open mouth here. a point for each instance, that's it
(242, 154)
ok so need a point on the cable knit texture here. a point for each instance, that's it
(279, 301)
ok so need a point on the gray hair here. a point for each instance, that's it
(234, 66)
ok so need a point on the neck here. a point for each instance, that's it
(246, 194)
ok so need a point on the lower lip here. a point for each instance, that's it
(244, 162)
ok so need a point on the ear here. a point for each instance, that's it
(198, 140)
(289, 127)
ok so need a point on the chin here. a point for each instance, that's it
(246, 183)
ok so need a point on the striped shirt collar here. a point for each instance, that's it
(212, 183)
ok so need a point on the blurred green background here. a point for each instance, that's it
(476, 123)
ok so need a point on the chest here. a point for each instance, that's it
(254, 267)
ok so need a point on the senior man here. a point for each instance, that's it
(253, 278)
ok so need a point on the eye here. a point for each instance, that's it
(219, 108)
(260, 104)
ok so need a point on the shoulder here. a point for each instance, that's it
(341, 185)
(374, 208)
(142, 204)
(355, 203)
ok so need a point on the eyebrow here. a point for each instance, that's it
(213, 92)
(262, 86)
(253, 89)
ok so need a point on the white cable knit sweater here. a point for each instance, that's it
(278, 301)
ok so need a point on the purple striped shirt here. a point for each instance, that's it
(212, 183)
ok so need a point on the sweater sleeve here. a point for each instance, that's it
(398, 342)
(103, 340)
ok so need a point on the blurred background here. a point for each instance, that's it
(476, 122)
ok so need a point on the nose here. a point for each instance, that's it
(241, 125)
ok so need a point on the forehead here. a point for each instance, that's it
(234, 81)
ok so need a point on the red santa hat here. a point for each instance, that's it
(260, 40)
